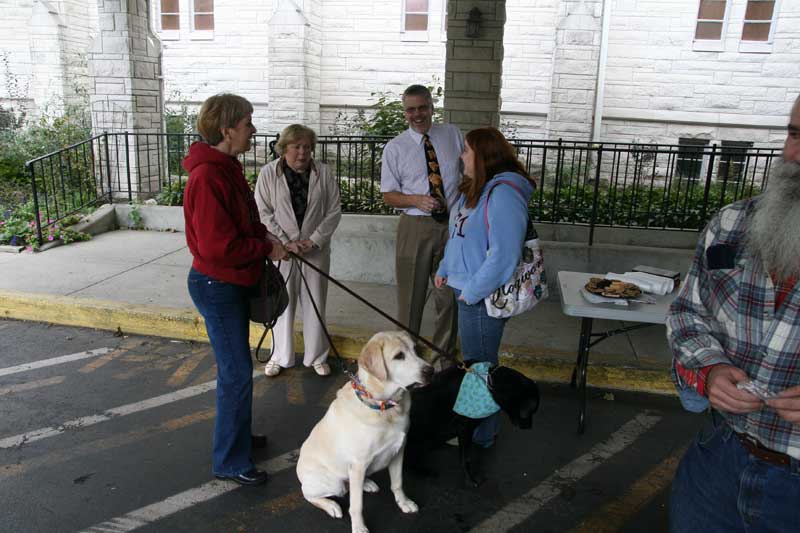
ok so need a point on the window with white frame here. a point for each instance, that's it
(179, 19)
(415, 15)
(202, 15)
(711, 20)
(170, 15)
(759, 18)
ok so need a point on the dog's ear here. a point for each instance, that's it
(371, 359)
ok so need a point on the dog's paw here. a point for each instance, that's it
(406, 505)
(370, 486)
(359, 528)
(329, 506)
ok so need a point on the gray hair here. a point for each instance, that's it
(294, 133)
(419, 90)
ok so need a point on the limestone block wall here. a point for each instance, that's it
(44, 44)
(232, 58)
(575, 69)
(365, 51)
(295, 45)
(659, 87)
(125, 94)
(529, 41)
(474, 68)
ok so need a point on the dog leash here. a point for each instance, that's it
(439, 352)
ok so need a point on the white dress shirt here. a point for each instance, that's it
(404, 168)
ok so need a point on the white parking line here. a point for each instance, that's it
(529, 503)
(30, 385)
(54, 361)
(114, 412)
(184, 500)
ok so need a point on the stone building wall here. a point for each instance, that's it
(44, 45)
(658, 86)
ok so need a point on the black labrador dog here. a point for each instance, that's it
(433, 421)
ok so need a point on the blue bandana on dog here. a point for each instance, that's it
(474, 397)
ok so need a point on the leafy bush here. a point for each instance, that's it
(652, 207)
(363, 197)
(385, 116)
(172, 193)
(46, 135)
(18, 228)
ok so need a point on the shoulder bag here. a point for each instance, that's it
(528, 284)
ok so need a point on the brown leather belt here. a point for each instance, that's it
(756, 449)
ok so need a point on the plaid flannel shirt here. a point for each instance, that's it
(725, 313)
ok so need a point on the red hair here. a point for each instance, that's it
(493, 155)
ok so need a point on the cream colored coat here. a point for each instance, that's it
(321, 219)
(323, 213)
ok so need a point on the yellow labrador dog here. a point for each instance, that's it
(364, 429)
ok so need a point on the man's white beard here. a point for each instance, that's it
(774, 232)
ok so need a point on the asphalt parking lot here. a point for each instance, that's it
(104, 432)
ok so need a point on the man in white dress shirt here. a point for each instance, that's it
(406, 180)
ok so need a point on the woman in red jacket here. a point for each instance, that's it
(229, 245)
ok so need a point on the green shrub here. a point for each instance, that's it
(172, 193)
(363, 197)
(18, 228)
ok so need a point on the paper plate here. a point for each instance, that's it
(613, 289)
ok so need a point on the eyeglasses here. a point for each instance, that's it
(420, 109)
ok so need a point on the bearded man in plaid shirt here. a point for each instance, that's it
(736, 321)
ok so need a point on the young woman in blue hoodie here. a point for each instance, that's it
(487, 230)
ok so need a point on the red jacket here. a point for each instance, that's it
(223, 230)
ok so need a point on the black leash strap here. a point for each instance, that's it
(342, 363)
(423, 340)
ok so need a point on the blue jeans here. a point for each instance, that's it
(720, 487)
(225, 308)
(480, 341)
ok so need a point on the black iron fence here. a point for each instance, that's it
(651, 186)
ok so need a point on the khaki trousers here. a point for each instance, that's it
(315, 343)
(420, 247)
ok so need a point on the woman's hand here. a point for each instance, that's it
(439, 281)
(292, 247)
(723, 394)
(306, 245)
(278, 253)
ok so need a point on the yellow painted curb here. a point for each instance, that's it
(188, 325)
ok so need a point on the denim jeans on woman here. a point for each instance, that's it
(720, 487)
(225, 308)
(480, 336)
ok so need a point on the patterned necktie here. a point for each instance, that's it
(435, 183)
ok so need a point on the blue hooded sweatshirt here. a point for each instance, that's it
(467, 265)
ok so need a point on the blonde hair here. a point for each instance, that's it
(221, 111)
(292, 134)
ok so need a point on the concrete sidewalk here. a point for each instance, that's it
(135, 282)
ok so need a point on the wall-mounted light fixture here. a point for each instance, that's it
(474, 23)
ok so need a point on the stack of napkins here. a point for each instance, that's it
(647, 282)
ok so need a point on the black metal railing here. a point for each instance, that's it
(611, 184)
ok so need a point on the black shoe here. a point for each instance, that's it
(258, 441)
(252, 477)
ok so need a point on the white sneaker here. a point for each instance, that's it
(272, 369)
(322, 369)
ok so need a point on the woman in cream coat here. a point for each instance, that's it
(298, 201)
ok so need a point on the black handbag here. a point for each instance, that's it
(269, 298)
(268, 301)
